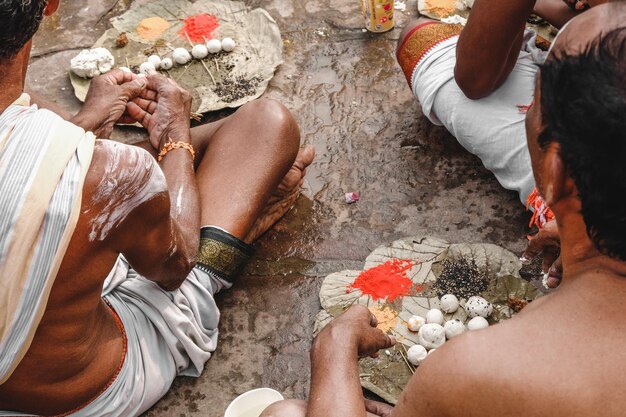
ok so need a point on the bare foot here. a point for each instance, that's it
(284, 196)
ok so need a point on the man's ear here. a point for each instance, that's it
(51, 7)
(554, 175)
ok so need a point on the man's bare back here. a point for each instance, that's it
(78, 338)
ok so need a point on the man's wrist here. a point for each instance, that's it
(179, 134)
(334, 340)
(85, 121)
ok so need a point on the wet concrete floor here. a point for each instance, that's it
(354, 106)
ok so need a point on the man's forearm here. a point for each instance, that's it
(335, 386)
(177, 166)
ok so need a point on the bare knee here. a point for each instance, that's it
(274, 119)
(286, 408)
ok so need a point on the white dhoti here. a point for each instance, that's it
(491, 128)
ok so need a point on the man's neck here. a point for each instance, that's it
(580, 256)
(12, 74)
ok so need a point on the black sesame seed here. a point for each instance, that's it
(461, 278)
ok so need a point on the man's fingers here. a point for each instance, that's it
(146, 105)
(378, 408)
(538, 243)
(373, 320)
(134, 88)
(388, 341)
(550, 255)
(137, 113)
(555, 273)
(119, 77)
(148, 94)
(158, 81)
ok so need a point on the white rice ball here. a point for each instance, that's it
(478, 307)
(453, 328)
(431, 351)
(126, 70)
(434, 316)
(477, 323)
(214, 46)
(200, 51)
(449, 303)
(91, 62)
(181, 56)
(155, 60)
(415, 323)
(431, 336)
(167, 63)
(228, 44)
(147, 68)
(416, 354)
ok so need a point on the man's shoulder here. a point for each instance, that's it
(480, 370)
(121, 180)
(130, 165)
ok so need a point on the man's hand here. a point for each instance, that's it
(578, 5)
(377, 408)
(106, 101)
(548, 243)
(357, 328)
(164, 109)
(335, 386)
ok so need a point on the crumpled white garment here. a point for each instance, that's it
(493, 127)
(168, 334)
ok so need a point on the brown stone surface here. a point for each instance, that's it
(354, 106)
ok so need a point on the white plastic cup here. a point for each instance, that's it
(253, 403)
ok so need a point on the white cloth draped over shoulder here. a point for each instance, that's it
(43, 164)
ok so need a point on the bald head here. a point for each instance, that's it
(592, 24)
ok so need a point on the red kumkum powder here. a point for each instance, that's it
(388, 280)
(199, 27)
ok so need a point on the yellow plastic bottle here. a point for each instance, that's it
(378, 15)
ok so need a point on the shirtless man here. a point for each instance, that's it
(89, 352)
(561, 355)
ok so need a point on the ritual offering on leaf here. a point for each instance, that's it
(219, 50)
(425, 291)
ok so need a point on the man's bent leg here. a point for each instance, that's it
(247, 157)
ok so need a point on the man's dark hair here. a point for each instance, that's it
(583, 100)
(19, 20)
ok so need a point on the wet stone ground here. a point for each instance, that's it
(354, 106)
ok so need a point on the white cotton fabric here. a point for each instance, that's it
(493, 127)
(168, 334)
(43, 164)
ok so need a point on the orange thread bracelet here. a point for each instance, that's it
(170, 146)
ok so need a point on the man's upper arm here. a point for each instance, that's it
(136, 212)
(489, 45)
